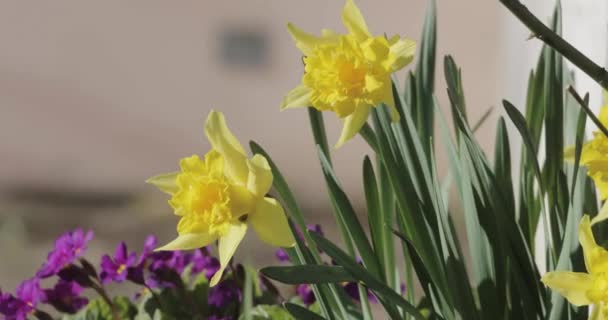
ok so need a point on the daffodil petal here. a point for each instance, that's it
(586, 239)
(572, 285)
(304, 41)
(270, 223)
(591, 251)
(241, 200)
(354, 21)
(603, 116)
(227, 245)
(569, 153)
(352, 124)
(403, 51)
(166, 182)
(188, 241)
(260, 175)
(222, 140)
(296, 98)
(602, 215)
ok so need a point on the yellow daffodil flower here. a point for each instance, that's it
(219, 195)
(589, 288)
(348, 74)
(594, 155)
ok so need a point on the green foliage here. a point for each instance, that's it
(269, 312)
(98, 309)
(504, 202)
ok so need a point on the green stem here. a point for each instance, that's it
(552, 39)
(588, 111)
(102, 292)
(318, 131)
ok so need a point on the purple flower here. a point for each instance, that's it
(201, 261)
(223, 294)
(9, 305)
(352, 289)
(65, 297)
(13, 308)
(305, 292)
(136, 273)
(149, 245)
(315, 228)
(29, 291)
(281, 255)
(68, 247)
(115, 268)
(165, 269)
(19, 307)
(214, 317)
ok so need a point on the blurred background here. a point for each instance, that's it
(95, 97)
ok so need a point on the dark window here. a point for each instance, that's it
(242, 47)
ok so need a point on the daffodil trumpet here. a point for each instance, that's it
(348, 73)
(218, 196)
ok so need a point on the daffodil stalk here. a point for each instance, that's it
(551, 38)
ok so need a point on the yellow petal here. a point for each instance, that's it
(602, 215)
(596, 257)
(353, 20)
(227, 245)
(296, 98)
(165, 182)
(603, 117)
(572, 285)
(304, 41)
(329, 34)
(587, 241)
(223, 141)
(403, 51)
(372, 83)
(270, 223)
(188, 241)
(376, 50)
(352, 124)
(241, 200)
(569, 153)
(260, 175)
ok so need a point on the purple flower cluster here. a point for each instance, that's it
(65, 295)
(74, 274)
(68, 248)
(224, 293)
(155, 269)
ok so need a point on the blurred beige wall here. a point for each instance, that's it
(97, 96)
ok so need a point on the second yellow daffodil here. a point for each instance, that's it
(217, 197)
(589, 288)
(348, 74)
(594, 156)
